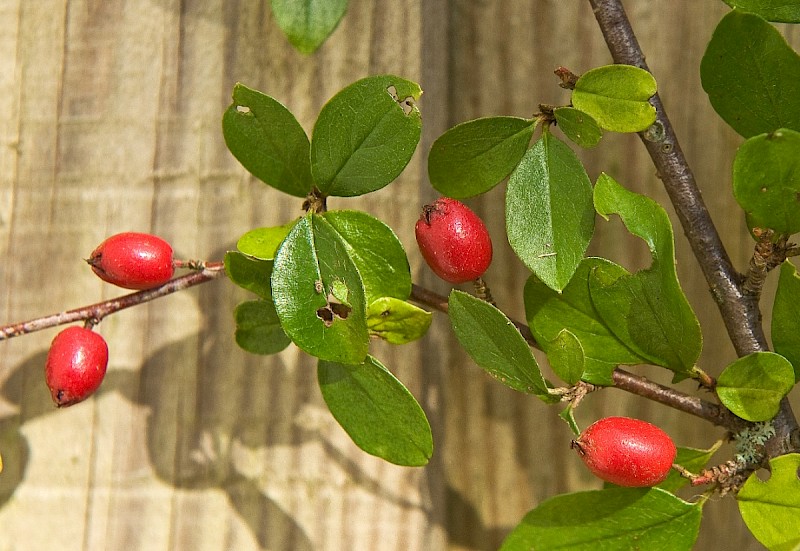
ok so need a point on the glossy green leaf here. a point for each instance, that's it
(473, 157)
(376, 251)
(250, 273)
(365, 135)
(647, 310)
(307, 23)
(549, 312)
(269, 142)
(608, 520)
(566, 356)
(780, 11)
(578, 126)
(692, 459)
(752, 386)
(263, 243)
(397, 321)
(785, 319)
(549, 213)
(318, 293)
(377, 411)
(766, 180)
(771, 509)
(496, 345)
(258, 329)
(751, 75)
(617, 97)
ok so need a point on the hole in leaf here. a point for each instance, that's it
(326, 315)
(242, 109)
(406, 104)
(763, 475)
(340, 310)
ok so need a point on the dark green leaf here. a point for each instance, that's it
(476, 155)
(752, 76)
(766, 180)
(771, 509)
(376, 251)
(496, 345)
(578, 126)
(692, 459)
(753, 386)
(609, 520)
(250, 273)
(566, 357)
(258, 329)
(318, 293)
(377, 411)
(365, 135)
(549, 312)
(780, 11)
(617, 97)
(307, 23)
(549, 213)
(269, 142)
(263, 243)
(397, 321)
(785, 321)
(647, 311)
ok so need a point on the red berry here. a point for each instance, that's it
(133, 260)
(626, 452)
(76, 365)
(453, 241)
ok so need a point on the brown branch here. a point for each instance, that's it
(96, 312)
(740, 311)
(623, 380)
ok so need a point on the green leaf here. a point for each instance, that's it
(566, 357)
(766, 180)
(474, 156)
(377, 411)
(549, 312)
(312, 274)
(647, 311)
(692, 459)
(608, 520)
(258, 329)
(365, 135)
(263, 243)
(617, 97)
(376, 251)
(753, 386)
(307, 23)
(771, 509)
(496, 345)
(578, 126)
(397, 321)
(549, 213)
(249, 273)
(780, 11)
(785, 321)
(269, 142)
(752, 76)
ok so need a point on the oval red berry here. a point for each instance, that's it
(626, 452)
(76, 365)
(133, 261)
(453, 241)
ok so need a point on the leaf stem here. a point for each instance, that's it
(93, 313)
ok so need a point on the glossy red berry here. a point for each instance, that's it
(76, 365)
(453, 241)
(133, 261)
(626, 452)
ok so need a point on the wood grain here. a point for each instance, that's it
(110, 121)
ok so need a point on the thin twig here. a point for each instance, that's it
(96, 312)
